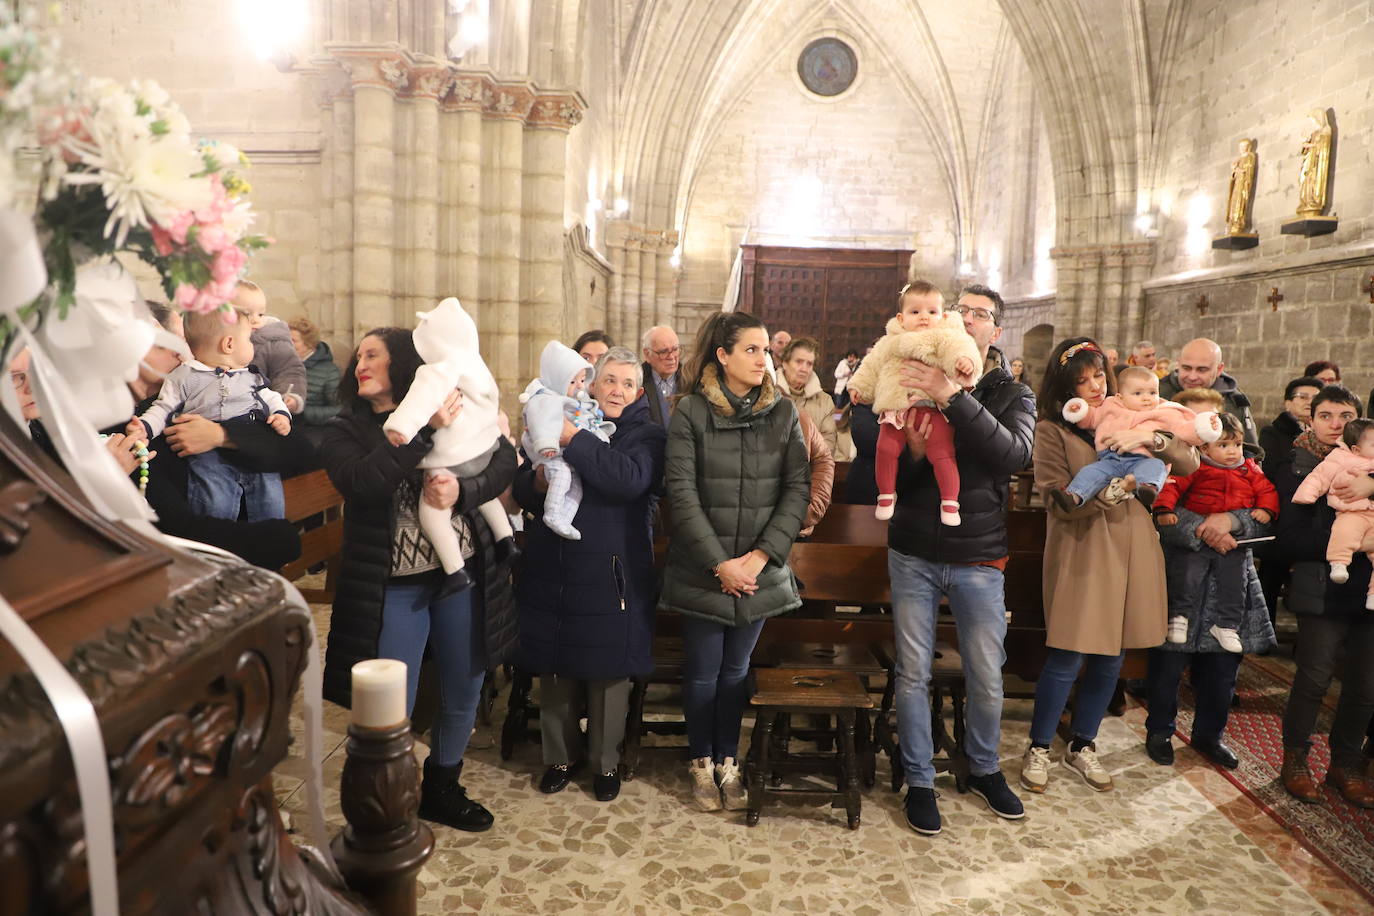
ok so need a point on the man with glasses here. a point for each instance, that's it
(993, 426)
(662, 371)
(1277, 438)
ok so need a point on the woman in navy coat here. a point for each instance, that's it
(586, 607)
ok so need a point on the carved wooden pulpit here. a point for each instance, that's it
(191, 665)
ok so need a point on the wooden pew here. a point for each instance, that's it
(308, 495)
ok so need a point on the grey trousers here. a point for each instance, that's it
(561, 702)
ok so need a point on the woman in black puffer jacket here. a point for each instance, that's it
(739, 483)
(387, 603)
(587, 606)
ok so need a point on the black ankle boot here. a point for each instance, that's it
(444, 801)
(454, 583)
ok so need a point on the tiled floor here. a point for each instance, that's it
(1180, 840)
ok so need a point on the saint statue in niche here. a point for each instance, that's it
(1242, 189)
(1316, 163)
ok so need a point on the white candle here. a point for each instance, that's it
(379, 693)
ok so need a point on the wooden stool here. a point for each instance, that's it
(853, 657)
(820, 691)
(946, 679)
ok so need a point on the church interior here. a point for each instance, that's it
(1132, 171)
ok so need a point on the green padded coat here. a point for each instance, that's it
(736, 481)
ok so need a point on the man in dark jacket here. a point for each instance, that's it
(1276, 440)
(662, 372)
(1200, 366)
(993, 427)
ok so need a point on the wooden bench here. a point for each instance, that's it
(309, 495)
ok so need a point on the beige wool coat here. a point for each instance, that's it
(816, 403)
(878, 380)
(1104, 586)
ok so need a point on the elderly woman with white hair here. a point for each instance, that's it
(586, 607)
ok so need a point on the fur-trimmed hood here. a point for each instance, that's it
(711, 390)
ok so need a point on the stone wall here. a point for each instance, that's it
(856, 171)
(1254, 69)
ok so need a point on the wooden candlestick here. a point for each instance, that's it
(384, 845)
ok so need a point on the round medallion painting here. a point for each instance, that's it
(827, 66)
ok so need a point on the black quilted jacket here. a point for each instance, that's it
(366, 470)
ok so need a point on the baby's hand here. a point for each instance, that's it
(856, 397)
(396, 437)
(963, 365)
(1262, 516)
(280, 423)
(1165, 519)
(136, 429)
(549, 452)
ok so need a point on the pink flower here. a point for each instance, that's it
(180, 225)
(219, 203)
(186, 295)
(213, 238)
(162, 242)
(228, 262)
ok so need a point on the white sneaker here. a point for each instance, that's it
(1178, 630)
(886, 503)
(705, 792)
(731, 785)
(1340, 573)
(1227, 638)
(1035, 769)
(949, 512)
(1369, 603)
(1086, 764)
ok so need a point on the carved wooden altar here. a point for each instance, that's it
(191, 665)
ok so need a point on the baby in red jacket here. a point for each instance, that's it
(1225, 481)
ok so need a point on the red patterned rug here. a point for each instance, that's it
(1337, 832)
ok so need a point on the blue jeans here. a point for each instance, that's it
(713, 684)
(1091, 478)
(453, 629)
(1100, 673)
(1213, 679)
(216, 489)
(979, 605)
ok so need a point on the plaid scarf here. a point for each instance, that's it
(1308, 441)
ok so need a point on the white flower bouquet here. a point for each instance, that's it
(118, 170)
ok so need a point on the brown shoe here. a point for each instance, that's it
(1353, 785)
(1297, 778)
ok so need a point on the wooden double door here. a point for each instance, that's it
(843, 297)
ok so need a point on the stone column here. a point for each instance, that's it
(374, 177)
(463, 191)
(504, 110)
(1140, 258)
(429, 150)
(543, 313)
(1111, 318)
(666, 277)
(337, 165)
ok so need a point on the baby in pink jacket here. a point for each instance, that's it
(1354, 520)
(1136, 405)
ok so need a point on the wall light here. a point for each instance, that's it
(676, 258)
(274, 28)
(622, 206)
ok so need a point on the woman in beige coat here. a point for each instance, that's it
(1104, 584)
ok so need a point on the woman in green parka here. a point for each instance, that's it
(738, 483)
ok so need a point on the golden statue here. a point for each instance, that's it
(1316, 162)
(1242, 189)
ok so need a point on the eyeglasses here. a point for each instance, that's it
(981, 314)
(20, 379)
(667, 352)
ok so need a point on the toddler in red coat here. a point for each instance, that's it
(1225, 481)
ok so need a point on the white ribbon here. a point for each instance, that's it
(79, 723)
(22, 276)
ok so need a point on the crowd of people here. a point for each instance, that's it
(1159, 488)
